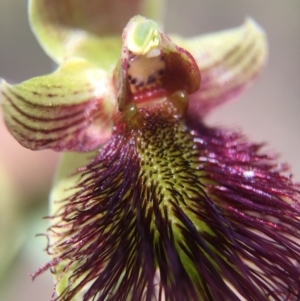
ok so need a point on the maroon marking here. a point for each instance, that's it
(71, 112)
(151, 79)
(160, 72)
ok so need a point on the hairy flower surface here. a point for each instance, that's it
(164, 207)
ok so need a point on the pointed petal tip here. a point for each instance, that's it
(259, 34)
(254, 24)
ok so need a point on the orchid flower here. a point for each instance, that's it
(152, 204)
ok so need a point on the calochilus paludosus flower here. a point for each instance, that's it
(152, 204)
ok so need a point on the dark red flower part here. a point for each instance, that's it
(179, 212)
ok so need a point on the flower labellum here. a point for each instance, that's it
(164, 208)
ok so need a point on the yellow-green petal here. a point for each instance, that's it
(70, 109)
(11, 224)
(63, 188)
(228, 61)
(66, 28)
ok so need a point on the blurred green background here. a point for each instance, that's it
(269, 111)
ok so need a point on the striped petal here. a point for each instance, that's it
(70, 109)
(65, 28)
(228, 61)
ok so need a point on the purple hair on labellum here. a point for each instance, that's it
(204, 215)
